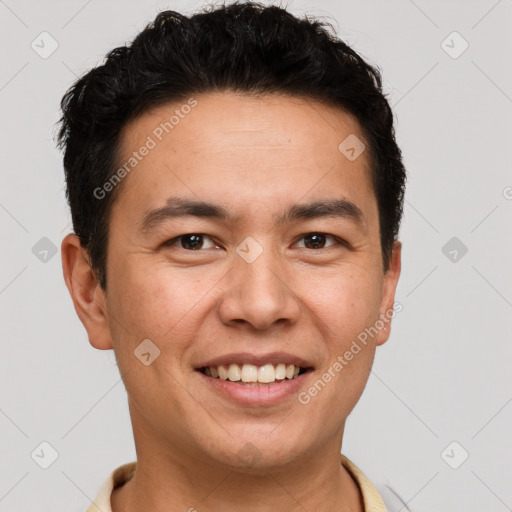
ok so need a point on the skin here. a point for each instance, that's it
(255, 156)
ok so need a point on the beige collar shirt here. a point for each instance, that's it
(371, 498)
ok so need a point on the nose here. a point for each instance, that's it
(259, 293)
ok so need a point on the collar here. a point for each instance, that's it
(371, 498)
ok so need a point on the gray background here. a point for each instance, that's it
(444, 375)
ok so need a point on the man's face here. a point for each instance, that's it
(304, 288)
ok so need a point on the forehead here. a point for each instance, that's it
(246, 151)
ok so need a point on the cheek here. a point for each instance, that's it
(148, 299)
(346, 300)
(148, 304)
(160, 303)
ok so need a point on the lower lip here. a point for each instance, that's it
(256, 395)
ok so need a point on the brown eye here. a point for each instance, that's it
(190, 241)
(317, 240)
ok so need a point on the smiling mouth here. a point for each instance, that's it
(252, 375)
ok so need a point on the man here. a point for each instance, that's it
(236, 193)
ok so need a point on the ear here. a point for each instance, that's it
(86, 293)
(387, 309)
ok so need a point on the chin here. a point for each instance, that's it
(257, 450)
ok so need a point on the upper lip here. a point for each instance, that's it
(256, 359)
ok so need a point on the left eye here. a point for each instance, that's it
(194, 241)
(316, 239)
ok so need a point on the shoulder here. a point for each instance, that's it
(116, 479)
(377, 496)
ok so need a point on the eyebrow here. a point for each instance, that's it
(177, 207)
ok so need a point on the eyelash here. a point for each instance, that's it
(339, 241)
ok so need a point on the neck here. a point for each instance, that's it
(174, 478)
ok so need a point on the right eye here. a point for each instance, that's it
(189, 241)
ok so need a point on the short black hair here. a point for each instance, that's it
(243, 47)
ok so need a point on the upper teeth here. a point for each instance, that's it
(251, 373)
